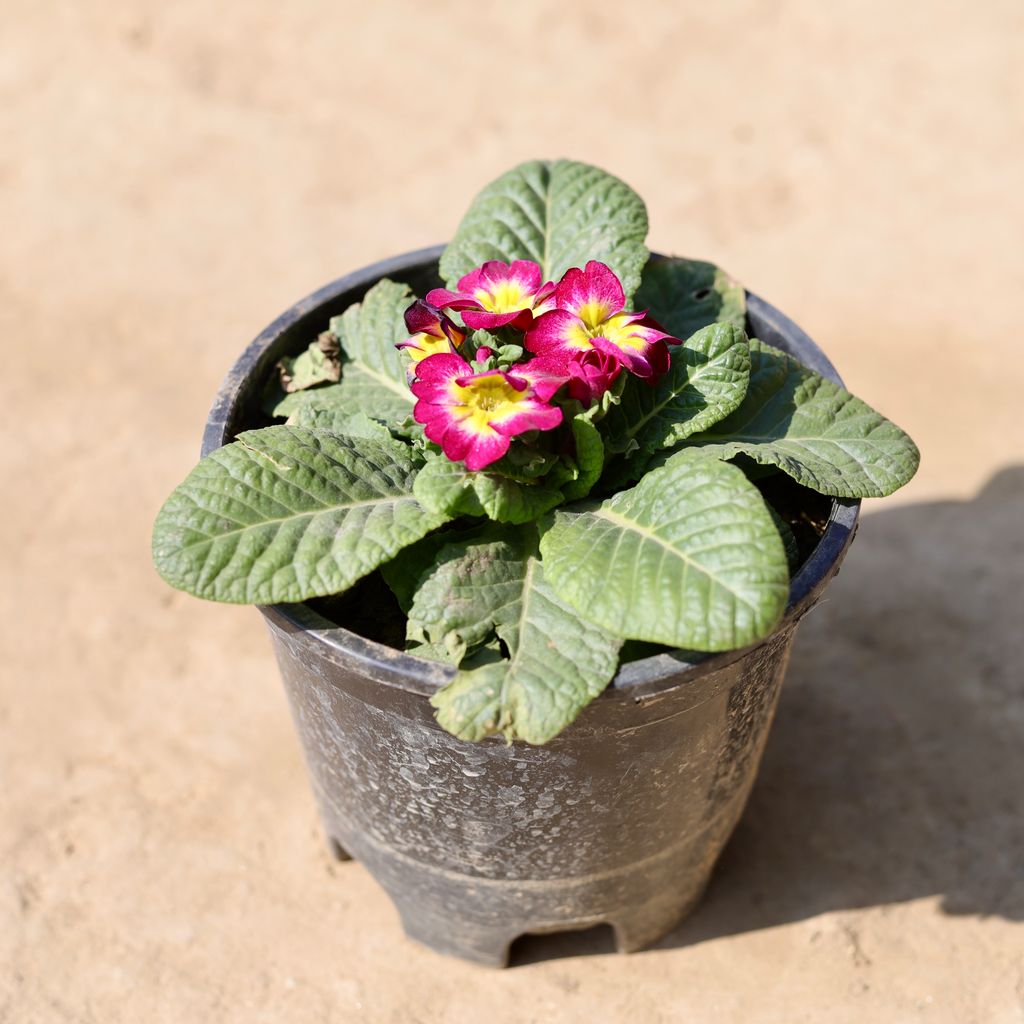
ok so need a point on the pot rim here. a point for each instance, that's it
(405, 671)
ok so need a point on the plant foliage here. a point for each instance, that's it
(572, 468)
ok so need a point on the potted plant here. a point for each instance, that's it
(532, 521)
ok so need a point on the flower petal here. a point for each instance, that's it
(649, 361)
(534, 416)
(479, 320)
(477, 448)
(593, 294)
(432, 333)
(444, 367)
(445, 299)
(557, 329)
(546, 373)
(472, 415)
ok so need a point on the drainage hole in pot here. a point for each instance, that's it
(531, 949)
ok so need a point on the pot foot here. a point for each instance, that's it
(647, 924)
(468, 941)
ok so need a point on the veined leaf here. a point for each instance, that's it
(557, 661)
(472, 591)
(706, 380)
(589, 459)
(404, 572)
(373, 377)
(337, 420)
(323, 396)
(690, 557)
(287, 513)
(686, 295)
(449, 489)
(812, 429)
(369, 330)
(558, 214)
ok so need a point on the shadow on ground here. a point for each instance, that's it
(895, 767)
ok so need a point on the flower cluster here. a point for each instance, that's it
(576, 341)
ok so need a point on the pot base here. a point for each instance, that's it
(478, 919)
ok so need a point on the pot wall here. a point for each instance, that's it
(617, 820)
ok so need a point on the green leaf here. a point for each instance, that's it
(323, 396)
(812, 429)
(373, 374)
(706, 380)
(337, 420)
(404, 572)
(689, 557)
(686, 295)
(449, 489)
(431, 652)
(373, 379)
(369, 330)
(287, 513)
(589, 459)
(558, 214)
(472, 591)
(557, 661)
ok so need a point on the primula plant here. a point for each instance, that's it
(569, 449)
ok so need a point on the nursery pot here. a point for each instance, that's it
(618, 820)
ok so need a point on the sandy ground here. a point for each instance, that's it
(171, 178)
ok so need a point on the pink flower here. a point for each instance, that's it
(473, 416)
(589, 315)
(498, 294)
(432, 332)
(588, 372)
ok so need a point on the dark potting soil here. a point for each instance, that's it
(369, 608)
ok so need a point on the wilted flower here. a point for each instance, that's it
(432, 332)
(589, 315)
(473, 416)
(497, 295)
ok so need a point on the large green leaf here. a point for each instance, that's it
(558, 214)
(473, 590)
(706, 380)
(287, 513)
(690, 557)
(404, 572)
(373, 379)
(336, 419)
(812, 429)
(449, 489)
(373, 373)
(686, 295)
(558, 662)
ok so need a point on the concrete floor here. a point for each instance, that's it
(171, 178)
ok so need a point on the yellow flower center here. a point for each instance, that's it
(427, 345)
(616, 329)
(594, 314)
(507, 297)
(486, 400)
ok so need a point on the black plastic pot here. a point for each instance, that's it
(619, 820)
